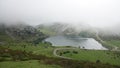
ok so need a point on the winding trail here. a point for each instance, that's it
(57, 49)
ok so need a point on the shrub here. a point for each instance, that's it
(98, 61)
(75, 52)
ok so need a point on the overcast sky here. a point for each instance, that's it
(99, 13)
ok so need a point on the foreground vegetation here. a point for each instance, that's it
(20, 57)
(25, 64)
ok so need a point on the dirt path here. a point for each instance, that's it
(57, 49)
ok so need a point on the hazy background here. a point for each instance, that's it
(98, 13)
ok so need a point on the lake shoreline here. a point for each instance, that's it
(77, 41)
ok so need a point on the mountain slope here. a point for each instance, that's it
(19, 33)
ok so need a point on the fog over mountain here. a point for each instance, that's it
(95, 13)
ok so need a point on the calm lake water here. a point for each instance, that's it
(75, 41)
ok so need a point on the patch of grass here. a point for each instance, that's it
(114, 42)
(94, 55)
(47, 31)
(5, 38)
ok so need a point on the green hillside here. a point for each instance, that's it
(22, 46)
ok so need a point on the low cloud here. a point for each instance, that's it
(97, 13)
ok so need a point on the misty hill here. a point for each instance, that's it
(110, 32)
(82, 30)
(20, 32)
(3, 35)
(66, 29)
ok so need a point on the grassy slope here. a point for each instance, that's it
(4, 37)
(91, 55)
(114, 42)
(41, 48)
(47, 31)
(18, 45)
(25, 64)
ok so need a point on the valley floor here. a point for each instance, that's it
(58, 57)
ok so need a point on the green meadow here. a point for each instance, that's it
(107, 57)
